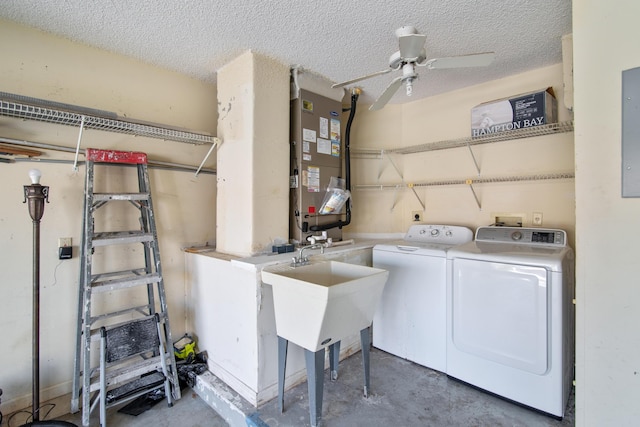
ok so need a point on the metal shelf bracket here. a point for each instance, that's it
(216, 142)
(381, 165)
(469, 182)
(475, 162)
(416, 194)
(395, 167)
(75, 160)
(396, 194)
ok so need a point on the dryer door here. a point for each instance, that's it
(500, 312)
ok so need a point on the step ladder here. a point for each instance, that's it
(107, 298)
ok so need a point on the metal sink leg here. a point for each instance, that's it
(315, 381)
(334, 359)
(315, 372)
(282, 366)
(365, 343)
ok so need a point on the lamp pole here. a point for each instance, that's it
(35, 195)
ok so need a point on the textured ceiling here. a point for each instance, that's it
(338, 39)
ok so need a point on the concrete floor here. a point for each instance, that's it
(189, 411)
(402, 394)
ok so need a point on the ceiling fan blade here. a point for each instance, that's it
(411, 45)
(368, 76)
(387, 94)
(473, 60)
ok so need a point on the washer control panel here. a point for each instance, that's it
(434, 233)
(530, 236)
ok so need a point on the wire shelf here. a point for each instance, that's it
(517, 178)
(51, 115)
(549, 129)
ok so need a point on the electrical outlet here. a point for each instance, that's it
(64, 242)
(416, 216)
(536, 218)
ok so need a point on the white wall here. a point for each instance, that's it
(605, 36)
(448, 117)
(39, 65)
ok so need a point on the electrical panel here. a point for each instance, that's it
(631, 133)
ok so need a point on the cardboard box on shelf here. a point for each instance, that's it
(518, 112)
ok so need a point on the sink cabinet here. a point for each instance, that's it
(231, 314)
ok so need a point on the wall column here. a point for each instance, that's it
(253, 159)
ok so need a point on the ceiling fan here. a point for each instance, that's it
(411, 54)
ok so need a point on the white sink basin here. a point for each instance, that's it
(320, 304)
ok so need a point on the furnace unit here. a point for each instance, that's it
(316, 157)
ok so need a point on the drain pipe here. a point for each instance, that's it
(355, 93)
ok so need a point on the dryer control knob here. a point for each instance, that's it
(516, 235)
(435, 232)
(449, 233)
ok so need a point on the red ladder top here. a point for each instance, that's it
(114, 156)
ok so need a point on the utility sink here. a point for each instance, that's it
(320, 304)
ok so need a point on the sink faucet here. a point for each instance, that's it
(314, 239)
(304, 260)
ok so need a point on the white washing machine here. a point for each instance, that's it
(510, 322)
(410, 321)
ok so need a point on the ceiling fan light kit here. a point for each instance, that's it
(412, 54)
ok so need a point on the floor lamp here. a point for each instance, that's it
(35, 195)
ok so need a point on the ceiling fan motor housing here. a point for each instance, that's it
(396, 60)
(406, 30)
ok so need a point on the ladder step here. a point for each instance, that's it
(135, 387)
(119, 374)
(106, 197)
(120, 238)
(141, 309)
(95, 333)
(105, 284)
(136, 271)
(114, 156)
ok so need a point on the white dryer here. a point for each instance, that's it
(510, 322)
(410, 321)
